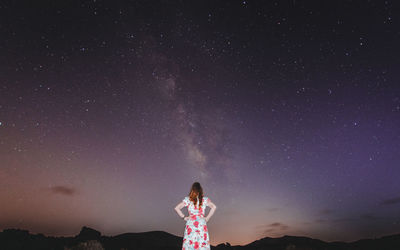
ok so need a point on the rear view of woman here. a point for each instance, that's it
(196, 232)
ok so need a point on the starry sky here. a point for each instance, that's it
(287, 113)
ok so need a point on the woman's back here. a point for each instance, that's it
(196, 210)
(196, 232)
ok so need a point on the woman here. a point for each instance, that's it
(196, 232)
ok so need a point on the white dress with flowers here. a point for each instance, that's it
(196, 232)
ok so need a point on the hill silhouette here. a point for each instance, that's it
(90, 239)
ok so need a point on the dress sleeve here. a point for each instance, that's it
(186, 201)
(206, 200)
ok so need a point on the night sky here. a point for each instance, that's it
(287, 113)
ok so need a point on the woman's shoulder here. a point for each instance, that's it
(186, 200)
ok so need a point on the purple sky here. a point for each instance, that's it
(287, 113)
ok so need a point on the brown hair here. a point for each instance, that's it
(196, 191)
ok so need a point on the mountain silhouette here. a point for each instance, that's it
(90, 239)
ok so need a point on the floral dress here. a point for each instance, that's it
(196, 232)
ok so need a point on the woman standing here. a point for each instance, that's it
(196, 232)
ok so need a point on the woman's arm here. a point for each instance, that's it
(213, 208)
(178, 209)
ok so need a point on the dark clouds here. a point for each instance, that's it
(327, 211)
(63, 190)
(273, 228)
(392, 201)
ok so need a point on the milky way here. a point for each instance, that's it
(287, 113)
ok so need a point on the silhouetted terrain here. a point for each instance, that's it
(90, 239)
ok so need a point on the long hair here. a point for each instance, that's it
(196, 192)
